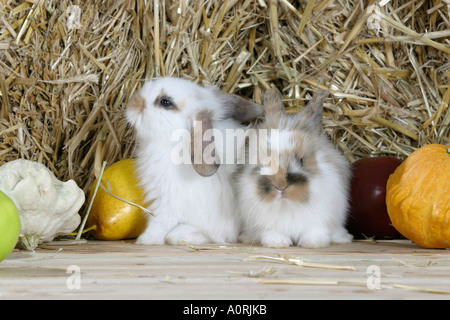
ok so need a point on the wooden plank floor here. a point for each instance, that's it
(123, 270)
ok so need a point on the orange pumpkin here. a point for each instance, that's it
(418, 197)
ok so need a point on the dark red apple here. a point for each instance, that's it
(368, 214)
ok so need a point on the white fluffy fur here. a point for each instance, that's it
(186, 205)
(284, 222)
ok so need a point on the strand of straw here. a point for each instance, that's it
(83, 223)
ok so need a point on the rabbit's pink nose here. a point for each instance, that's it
(282, 194)
(281, 191)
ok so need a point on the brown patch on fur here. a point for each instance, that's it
(310, 164)
(304, 150)
(278, 180)
(307, 155)
(279, 187)
(297, 192)
(137, 103)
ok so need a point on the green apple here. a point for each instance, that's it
(9, 225)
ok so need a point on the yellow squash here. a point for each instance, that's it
(114, 219)
(418, 197)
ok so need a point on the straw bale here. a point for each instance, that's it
(68, 69)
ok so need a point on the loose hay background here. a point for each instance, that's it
(68, 68)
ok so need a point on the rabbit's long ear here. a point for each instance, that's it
(312, 112)
(240, 109)
(273, 105)
(203, 153)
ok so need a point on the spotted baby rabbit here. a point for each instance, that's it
(303, 201)
(190, 192)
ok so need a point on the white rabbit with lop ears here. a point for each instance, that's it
(192, 201)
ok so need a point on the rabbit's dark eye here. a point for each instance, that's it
(165, 102)
(299, 160)
(264, 185)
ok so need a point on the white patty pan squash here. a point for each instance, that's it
(47, 206)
